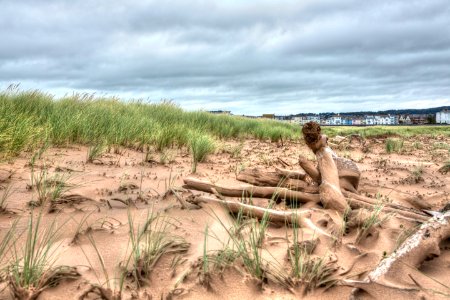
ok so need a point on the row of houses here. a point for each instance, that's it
(442, 117)
(337, 119)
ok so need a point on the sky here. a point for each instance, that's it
(249, 57)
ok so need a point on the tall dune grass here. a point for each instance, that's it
(30, 118)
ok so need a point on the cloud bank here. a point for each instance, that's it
(250, 57)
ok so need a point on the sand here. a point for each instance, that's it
(125, 175)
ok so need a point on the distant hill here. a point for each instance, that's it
(411, 111)
(426, 111)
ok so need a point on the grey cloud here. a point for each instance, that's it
(283, 57)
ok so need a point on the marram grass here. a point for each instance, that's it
(29, 119)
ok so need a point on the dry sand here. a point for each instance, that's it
(124, 176)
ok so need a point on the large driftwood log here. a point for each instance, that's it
(299, 217)
(244, 190)
(392, 271)
(260, 177)
(247, 190)
(330, 191)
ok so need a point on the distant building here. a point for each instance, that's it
(268, 116)
(404, 120)
(357, 121)
(443, 117)
(296, 120)
(335, 120)
(283, 118)
(220, 112)
(384, 120)
(302, 120)
(347, 121)
(369, 120)
(417, 119)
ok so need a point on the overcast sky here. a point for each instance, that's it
(250, 57)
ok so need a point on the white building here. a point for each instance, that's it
(443, 117)
(335, 120)
(404, 120)
(370, 120)
(302, 120)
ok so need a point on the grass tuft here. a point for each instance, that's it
(32, 268)
(49, 187)
(104, 290)
(149, 241)
(394, 145)
(7, 192)
(445, 168)
(373, 219)
(201, 145)
(416, 173)
(5, 245)
(308, 271)
(95, 151)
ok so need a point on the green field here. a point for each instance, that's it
(30, 119)
(380, 131)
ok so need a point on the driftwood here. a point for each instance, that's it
(358, 201)
(247, 190)
(355, 201)
(310, 169)
(348, 172)
(280, 178)
(274, 216)
(298, 217)
(329, 189)
(392, 272)
(261, 177)
(293, 174)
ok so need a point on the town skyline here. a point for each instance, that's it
(429, 110)
(434, 115)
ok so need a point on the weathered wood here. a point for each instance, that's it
(247, 190)
(391, 271)
(257, 176)
(299, 217)
(354, 200)
(294, 174)
(310, 169)
(274, 216)
(260, 177)
(329, 189)
(348, 172)
(358, 201)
